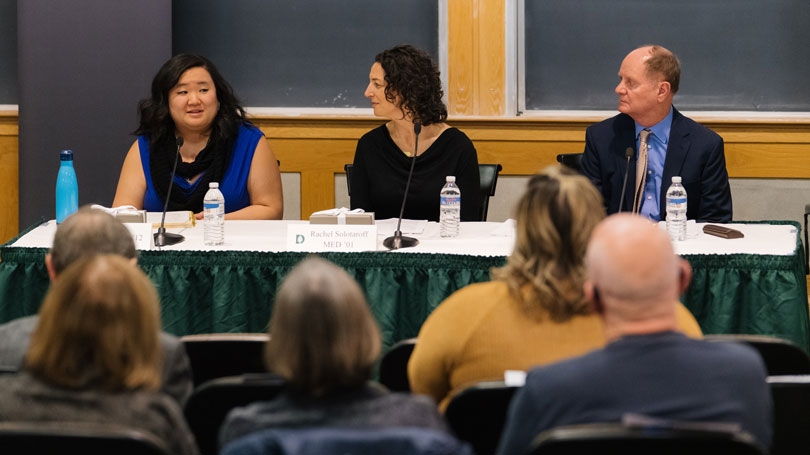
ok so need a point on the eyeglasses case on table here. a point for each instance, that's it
(722, 232)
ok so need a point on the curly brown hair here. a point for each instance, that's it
(413, 83)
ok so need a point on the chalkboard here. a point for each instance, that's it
(313, 53)
(8, 52)
(744, 55)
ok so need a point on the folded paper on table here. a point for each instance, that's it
(387, 227)
(342, 216)
(124, 213)
(174, 219)
(129, 214)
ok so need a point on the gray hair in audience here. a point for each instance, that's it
(90, 232)
(324, 336)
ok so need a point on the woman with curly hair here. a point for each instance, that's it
(404, 86)
(191, 100)
(534, 311)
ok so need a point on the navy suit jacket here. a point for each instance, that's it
(694, 152)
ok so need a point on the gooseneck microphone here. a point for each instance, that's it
(163, 238)
(397, 241)
(629, 154)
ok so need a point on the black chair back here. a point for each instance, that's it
(806, 239)
(477, 414)
(217, 355)
(488, 176)
(209, 404)
(571, 160)
(615, 438)
(791, 413)
(77, 437)
(781, 357)
(348, 169)
(394, 366)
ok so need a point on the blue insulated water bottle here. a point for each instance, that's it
(67, 188)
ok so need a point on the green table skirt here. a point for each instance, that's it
(233, 291)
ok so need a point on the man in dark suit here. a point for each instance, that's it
(89, 232)
(677, 145)
(647, 368)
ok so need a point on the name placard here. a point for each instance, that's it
(325, 237)
(142, 235)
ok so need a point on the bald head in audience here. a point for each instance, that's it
(634, 277)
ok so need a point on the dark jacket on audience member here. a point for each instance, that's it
(176, 376)
(368, 406)
(23, 397)
(663, 375)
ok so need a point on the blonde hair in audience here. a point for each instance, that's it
(323, 334)
(555, 218)
(98, 328)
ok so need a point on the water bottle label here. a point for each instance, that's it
(211, 205)
(677, 203)
(450, 200)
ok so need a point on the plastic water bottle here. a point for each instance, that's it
(67, 188)
(676, 210)
(449, 208)
(214, 215)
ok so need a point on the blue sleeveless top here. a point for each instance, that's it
(233, 185)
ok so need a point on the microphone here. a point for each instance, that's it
(163, 238)
(628, 153)
(397, 241)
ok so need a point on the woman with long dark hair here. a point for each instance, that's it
(191, 100)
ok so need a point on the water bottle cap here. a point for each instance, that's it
(676, 179)
(451, 178)
(213, 185)
(66, 155)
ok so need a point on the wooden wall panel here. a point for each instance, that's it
(461, 30)
(317, 147)
(491, 50)
(476, 50)
(9, 176)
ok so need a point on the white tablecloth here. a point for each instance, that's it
(480, 239)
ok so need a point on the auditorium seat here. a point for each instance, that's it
(215, 355)
(210, 403)
(806, 245)
(487, 175)
(615, 438)
(571, 160)
(780, 356)
(791, 413)
(77, 437)
(477, 414)
(394, 366)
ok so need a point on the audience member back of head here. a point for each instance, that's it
(325, 342)
(95, 355)
(647, 368)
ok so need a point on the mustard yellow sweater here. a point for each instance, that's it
(480, 331)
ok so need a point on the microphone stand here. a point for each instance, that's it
(163, 238)
(628, 153)
(397, 241)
